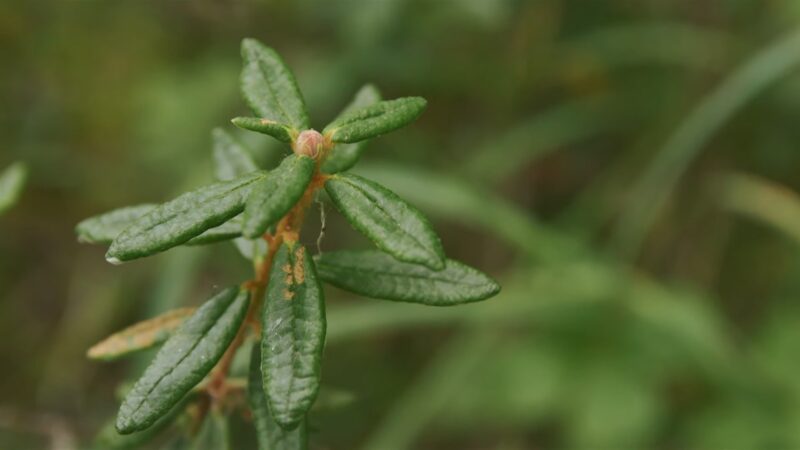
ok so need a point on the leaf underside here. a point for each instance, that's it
(345, 156)
(372, 273)
(293, 335)
(392, 224)
(177, 221)
(269, 127)
(184, 360)
(270, 435)
(231, 159)
(140, 336)
(375, 120)
(269, 87)
(276, 194)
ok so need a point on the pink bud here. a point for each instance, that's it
(309, 143)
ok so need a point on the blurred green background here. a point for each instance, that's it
(627, 169)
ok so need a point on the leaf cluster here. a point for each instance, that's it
(283, 306)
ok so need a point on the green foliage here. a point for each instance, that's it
(269, 87)
(285, 367)
(293, 337)
(378, 275)
(186, 357)
(271, 436)
(344, 156)
(276, 194)
(176, 222)
(374, 120)
(392, 224)
(12, 180)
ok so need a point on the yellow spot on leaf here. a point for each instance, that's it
(299, 267)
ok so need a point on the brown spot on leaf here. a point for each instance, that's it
(287, 294)
(299, 265)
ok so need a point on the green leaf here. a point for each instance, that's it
(375, 119)
(345, 156)
(231, 159)
(276, 194)
(11, 182)
(103, 229)
(269, 127)
(375, 274)
(293, 335)
(140, 336)
(392, 224)
(269, 87)
(214, 434)
(183, 361)
(175, 222)
(270, 435)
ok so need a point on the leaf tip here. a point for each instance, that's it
(113, 259)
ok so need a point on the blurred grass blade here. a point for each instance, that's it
(140, 336)
(175, 222)
(441, 381)
(269, 87)
(214, 434)
(762, 200)
(378, 275)
(11, 182)
(653, 189)
(293, 335)
(537, 136)
(392, 224)
(231, 159)
(271, 198)
(345, 156)
(375, 120)
(265, 126)
(270, 435)
(183, 361)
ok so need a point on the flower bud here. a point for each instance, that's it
(309, 143)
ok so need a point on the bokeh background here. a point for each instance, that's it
(627, 169)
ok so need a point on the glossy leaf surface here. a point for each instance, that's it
(293, 335)
(275, 195)
(175, 222)
(345, 156)
(140, 336)
(392, 224)
(184, 360)
(269, 86)
(270, 435)
(375, 274)
(231, 159)
(376, 119)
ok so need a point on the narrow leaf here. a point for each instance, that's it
(269, 87)
(269, 127)
(275, 195)
(345, 156)
(293, 335)
(175, 222)
(11, 182)
(140, 336)
(375, 274)
(183, 361)
(214, 434)
(392, 224)
(376, 119)
(270, 435)
(102, 229)
(231, 159)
